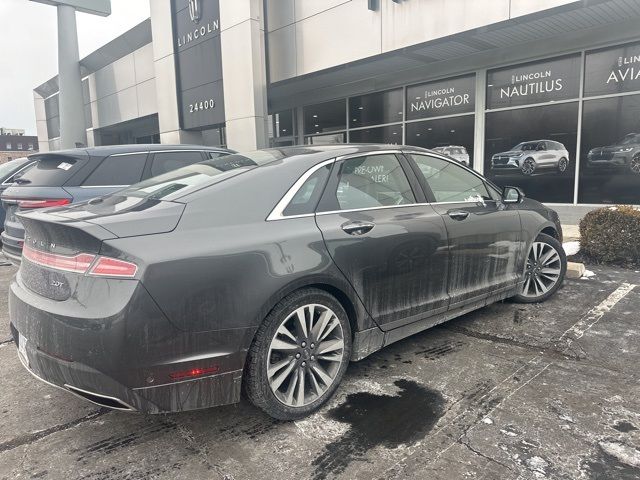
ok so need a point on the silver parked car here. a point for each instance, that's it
(457, 152)
(530, 157)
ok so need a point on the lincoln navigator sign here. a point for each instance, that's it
(196, 29)
(537, 82)
(612, 70)
(445, 97)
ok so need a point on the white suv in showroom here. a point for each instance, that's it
(457, 152)
(531, 157)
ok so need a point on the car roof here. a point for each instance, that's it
(326, 152)
(104, 151)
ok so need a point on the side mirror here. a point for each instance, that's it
(512, 195)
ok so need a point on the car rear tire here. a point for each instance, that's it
(563, 163)
(545, 269)
(528, 166)
(634, 165)
(299, 355)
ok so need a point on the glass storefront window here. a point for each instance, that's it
(325, 117)
(283, 124)
(612, 70)
(328, 139)
(610, 151)
(536, 82)
(534, 148)
(375, 109)
(445, 135)
(441, 98)
(390, 135)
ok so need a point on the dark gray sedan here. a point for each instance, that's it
(268, 272)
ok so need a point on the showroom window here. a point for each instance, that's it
(450, 104)
(325, 122)
(282, 129)
(610, 140)
(375, 109)
(534, 147)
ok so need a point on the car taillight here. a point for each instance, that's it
(44, 203)
(112, 267)
(77, 264)
(82, 263)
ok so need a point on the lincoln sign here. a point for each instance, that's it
(196, 26)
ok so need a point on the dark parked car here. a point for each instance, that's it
(70, 176)
(268, 272)
(8, 173)
(623, 155)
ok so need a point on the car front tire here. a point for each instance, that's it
(299, 355)
(545, 269)
(563, 164)
(528, 166)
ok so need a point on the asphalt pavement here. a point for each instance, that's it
(507, 392)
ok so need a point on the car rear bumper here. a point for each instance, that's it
(104, 361)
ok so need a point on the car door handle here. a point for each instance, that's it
(357, 228)
(458, 214)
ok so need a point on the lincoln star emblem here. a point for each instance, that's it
(195, 10)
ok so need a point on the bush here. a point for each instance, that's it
(611, 235)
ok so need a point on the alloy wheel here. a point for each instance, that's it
(635, 164)
(562, 164)
(528, 167)
(542, 270)
(305, 355)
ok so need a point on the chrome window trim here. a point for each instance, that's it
(102, 186)
(7, 182)
(125, 154)
(278, 211)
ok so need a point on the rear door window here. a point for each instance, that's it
(373, 181)
(118, 170)
(164, 162)
(52, 170)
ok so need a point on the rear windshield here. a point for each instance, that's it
(11, 166)
(51, 171)
(185, 180)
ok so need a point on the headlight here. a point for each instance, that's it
(519, 154)
(627, 149)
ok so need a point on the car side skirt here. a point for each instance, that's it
(370, 341)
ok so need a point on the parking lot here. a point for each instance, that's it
(510, 391)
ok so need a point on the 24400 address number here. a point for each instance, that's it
(202, 105)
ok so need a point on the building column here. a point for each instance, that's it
(41, 123)
(478, 141)
(244, 73)
(72, 127)
(165, 74)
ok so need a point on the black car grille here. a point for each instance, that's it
(601, 155)
(500, 160)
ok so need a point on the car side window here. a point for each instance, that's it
(164, 162)
(216, 154)
(450, 182)
(118, 170)
(372, 181)
(306, 198)
(542, 146)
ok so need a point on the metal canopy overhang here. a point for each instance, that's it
(127, 43)
(574, 26)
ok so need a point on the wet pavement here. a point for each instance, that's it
(510, 391)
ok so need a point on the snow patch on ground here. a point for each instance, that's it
(571, 248)
(588, 274)
(623, 453)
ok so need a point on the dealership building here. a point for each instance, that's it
(542, 94)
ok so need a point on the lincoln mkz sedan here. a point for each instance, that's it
(267, 273)
(533, 157)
